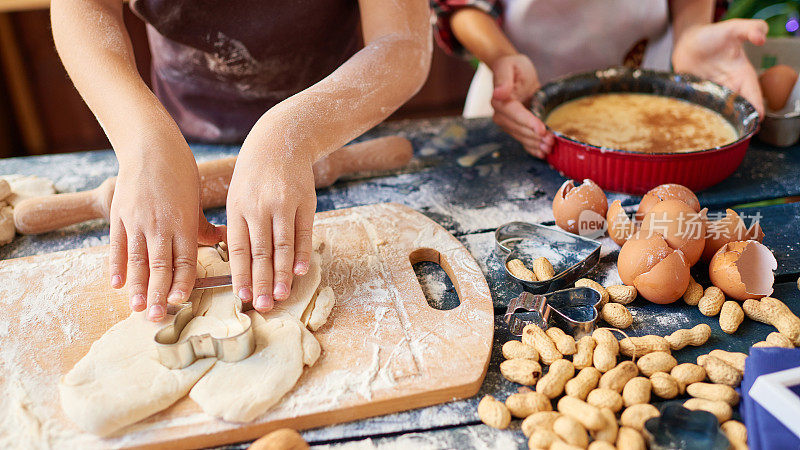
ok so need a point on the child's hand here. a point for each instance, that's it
(715, 52)
(515, 82)
(154, 224)
(271, 205)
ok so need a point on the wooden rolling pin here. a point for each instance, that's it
(43, 214)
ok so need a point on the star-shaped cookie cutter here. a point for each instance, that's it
(573, 310)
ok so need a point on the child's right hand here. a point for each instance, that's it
(154, 224)
(515, 82)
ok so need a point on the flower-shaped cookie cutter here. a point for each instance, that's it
(176, 354)
(679, 428)
(573, 310)
(526, 241)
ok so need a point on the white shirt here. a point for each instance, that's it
(567, 36)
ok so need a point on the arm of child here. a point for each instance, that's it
(688, 13)
(514, 77)
(714, 51)
(271, 200)
(155, 211)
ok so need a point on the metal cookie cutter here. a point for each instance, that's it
(574, 255)
(573, 310)
(678, 428)
(177, 355)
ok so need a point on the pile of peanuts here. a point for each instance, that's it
(606, 403)
(771, 311)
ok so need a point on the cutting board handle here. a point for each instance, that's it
(464, 273)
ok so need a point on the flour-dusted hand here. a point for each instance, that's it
(715, 52)
(155, 225)
(515, 82)
(271, 205)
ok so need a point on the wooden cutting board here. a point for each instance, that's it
(384, 348)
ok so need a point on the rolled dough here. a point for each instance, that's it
(242, 391)
(120, 380)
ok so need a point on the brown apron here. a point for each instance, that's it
(217, 66)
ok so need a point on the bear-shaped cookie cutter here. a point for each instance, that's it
(573, 310)
(175, 354)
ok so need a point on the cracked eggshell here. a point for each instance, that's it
(570, 201)
(743, 270)
(683, 228)
(666, 281)
(730, 228)
(667, 192)
(639, 255)
(620, 226)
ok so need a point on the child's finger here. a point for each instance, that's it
(159, 255)
(752, 30)
(262, 263)
(239, 256)
(207, 233)
(517, 112)
(184, 263)
(303, 234)
(118, 255)
(138, 271)
(283, 233)
(512, 127)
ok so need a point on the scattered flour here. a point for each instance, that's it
(29, 418)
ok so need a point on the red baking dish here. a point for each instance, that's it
(634, 172)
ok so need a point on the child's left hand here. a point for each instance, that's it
(271, 204)
(715, 52)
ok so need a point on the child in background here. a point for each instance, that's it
(522, 44)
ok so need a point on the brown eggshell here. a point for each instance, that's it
(743, 270)
(777, 83)
(666, 281)
(683, 228)
(638, 256)
(667, 192)
(730, 228)
(570, 201)
(620, 226)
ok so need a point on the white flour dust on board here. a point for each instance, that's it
(29, 409)
(47, 299)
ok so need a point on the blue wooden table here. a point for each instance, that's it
(471, 201)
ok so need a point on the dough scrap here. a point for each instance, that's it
(27, 186)
(120, 381)
(323, 305)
